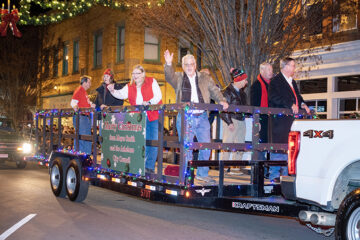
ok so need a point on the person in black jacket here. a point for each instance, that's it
(104, 97)
(234, 128)
(259, 96)
(283, 93)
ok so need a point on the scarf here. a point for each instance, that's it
(264, 92)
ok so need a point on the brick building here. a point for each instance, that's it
(329, 78)
(102, 38)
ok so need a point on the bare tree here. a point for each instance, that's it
(240, 33)
(19, 68)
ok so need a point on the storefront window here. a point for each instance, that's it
(349, 108)
(348, 83)
(313, 86)
(319, 107)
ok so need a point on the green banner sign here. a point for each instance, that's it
(123, 146)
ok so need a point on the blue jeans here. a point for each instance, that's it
(84, 129)
(274, 171)
(152, 131)
(198, 126)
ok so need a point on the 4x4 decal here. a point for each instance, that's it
(319, 134)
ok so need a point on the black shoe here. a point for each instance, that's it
(228, 170)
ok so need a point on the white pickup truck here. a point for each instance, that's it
(324, 171)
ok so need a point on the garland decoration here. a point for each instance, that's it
(59, 11)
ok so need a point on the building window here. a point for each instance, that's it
(65, 61)
(120, 44)
(207, 58)
(151, 46)
(55, 63)
(97, 50)
(313, 86)
(319, 107)
(347, 19)
(46, 64)
(314, 15)
(348, 83)
(184, 48)
(76, 57)
(349, 107)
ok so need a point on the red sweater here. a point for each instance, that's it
(81, 95)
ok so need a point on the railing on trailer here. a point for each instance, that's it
(185, 178)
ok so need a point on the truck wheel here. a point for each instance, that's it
(76, 188)
(347, 224)
(20, 164)
(57, 178)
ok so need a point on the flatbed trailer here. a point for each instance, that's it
(71, 171)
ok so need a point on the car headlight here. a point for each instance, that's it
(26, 148)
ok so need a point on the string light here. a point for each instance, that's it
(189, 172)
(64, 10)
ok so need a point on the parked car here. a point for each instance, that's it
(13, 147)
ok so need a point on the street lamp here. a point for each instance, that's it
(57, 87)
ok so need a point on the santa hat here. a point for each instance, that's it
(238, 75)
(109, 72)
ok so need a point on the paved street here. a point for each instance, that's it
(110, 215)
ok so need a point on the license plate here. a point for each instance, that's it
(4, 155)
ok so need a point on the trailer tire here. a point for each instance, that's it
(57, 178)
(347, 224)
(76, 188)
(20, 164)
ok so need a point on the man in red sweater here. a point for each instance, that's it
(80, 99)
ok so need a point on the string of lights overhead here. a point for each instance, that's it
(58, 11)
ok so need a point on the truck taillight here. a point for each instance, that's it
(293, 151)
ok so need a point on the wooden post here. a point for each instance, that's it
(160, 145)
(182, 159)
(77, 121)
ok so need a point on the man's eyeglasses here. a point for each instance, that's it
(189, 64)
(136, 73)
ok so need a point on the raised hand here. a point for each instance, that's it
(168, 57)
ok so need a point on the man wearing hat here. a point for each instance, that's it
(104, 97)
(234, 128)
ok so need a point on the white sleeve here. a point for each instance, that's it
(122, 93)
(157, 93)
(74, 103)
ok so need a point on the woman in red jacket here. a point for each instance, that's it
(143, 91)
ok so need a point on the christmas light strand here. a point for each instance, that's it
(59, 11)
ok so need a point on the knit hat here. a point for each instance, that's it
(238, 75)
(109, 72)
